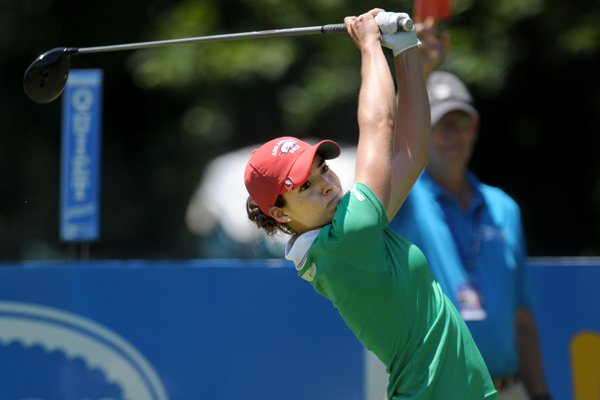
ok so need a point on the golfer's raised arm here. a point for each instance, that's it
(412, 128)
(376, 107)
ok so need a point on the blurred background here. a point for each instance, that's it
(532, 66)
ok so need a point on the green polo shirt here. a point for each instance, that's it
(383, 289)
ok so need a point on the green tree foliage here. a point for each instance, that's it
(531, 64)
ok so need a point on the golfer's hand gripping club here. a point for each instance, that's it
(397, 31)
(396, 22)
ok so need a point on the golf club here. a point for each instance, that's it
(46, 77)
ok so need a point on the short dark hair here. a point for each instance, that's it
(266, 222)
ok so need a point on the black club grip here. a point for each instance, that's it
(404, 25)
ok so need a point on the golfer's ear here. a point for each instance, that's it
(279, 215)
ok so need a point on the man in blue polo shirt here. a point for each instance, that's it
(472, 237)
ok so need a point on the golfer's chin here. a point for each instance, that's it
(334, 202)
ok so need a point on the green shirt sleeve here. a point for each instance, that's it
(356, 234)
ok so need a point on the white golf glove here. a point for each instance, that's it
(391, 38)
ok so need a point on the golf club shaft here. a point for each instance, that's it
(310, 30)
(404, 24)
(46, 77)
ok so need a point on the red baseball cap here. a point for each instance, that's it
(282, 165)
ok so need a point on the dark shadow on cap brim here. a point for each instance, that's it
(439, 110)
(328, 149)
(300, 169)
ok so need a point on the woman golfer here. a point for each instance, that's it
(380, 283)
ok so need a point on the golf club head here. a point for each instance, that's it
(46, 77)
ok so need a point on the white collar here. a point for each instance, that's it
(297, 247)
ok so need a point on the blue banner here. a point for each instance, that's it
(233, 329)
(80, 159)
(568, 317)
(197, 330)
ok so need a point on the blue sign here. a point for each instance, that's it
(196, 330)
(568, 318)
(80, 159)
(233, 329)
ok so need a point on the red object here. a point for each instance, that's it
(282, 165)
(437, 9)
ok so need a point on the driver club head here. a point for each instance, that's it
(46, 77)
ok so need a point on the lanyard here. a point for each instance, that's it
(468, 253)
